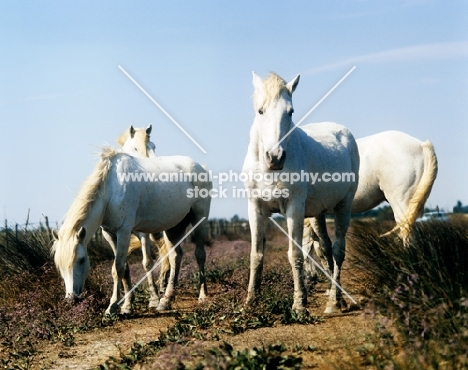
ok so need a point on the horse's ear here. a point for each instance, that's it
(81, 234)
(148, 130)
(131, 131)
(291, 86)
(257, 82)
(55, 234)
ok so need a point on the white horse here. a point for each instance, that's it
(136, 142)
(395, 167)
(111, 199)
(277, 151)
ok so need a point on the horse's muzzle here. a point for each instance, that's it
(275, 162)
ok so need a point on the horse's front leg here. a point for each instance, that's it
(257, 221)
(118, 273)
(295, 222)
(126, 280)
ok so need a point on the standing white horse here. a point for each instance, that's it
(136, 142)
(115, 198)
(394, 167)
(278, 152)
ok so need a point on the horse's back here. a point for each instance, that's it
(329, 132)
(152, 192)
(333, 150)
(392, 162)
(335, 145)
(391, 149)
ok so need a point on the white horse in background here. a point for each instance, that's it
(394, 167)
(136, 142)
(110, 199)
(278, 150)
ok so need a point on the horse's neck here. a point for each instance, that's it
(255, 144)
(94, 218)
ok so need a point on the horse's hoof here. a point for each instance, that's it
(343, 304)
(153, 303)
(250, 299)
(163, 305)
(300, 310)
(202, 300)
(111, 310)
(332, 309)
(125, 310)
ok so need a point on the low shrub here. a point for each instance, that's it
(419, 294)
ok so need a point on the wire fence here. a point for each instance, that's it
(214, 229)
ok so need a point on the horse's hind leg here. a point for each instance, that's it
(147, 265)
(171, 238)
(323, 246)
(308, 239)
(335, 300)
(200, 255)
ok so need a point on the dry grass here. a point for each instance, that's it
(417, 308)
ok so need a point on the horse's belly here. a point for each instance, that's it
(367, 197)
(314, 208)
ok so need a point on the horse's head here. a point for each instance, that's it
(136, 142)
(71, 258)
(273, 115)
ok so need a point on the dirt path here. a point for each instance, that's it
(334, 338)
(321, 345)
(93, 348)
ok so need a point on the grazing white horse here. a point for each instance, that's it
(121, 205)
(136, 142)
(394, 167)
(276, 154)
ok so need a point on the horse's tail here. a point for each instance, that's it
(134, 244)
(163, 259)
(421, 192)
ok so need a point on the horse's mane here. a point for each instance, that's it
(140, 136)
(88, 193)
(273, 86)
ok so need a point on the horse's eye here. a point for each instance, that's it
(260, 111)
(291, 112)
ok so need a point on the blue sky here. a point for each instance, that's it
(62, 95)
